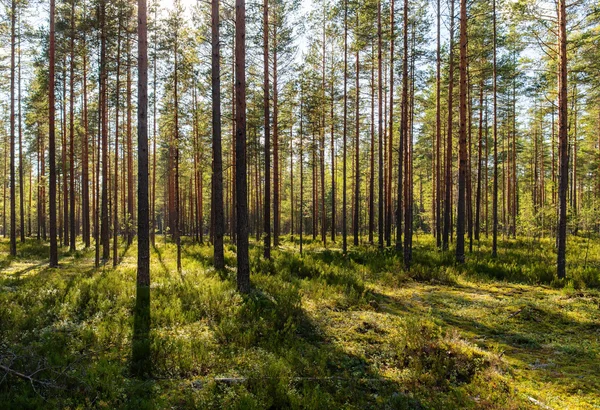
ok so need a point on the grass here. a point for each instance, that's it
(317, 331)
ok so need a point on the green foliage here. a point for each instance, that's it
(317, 330)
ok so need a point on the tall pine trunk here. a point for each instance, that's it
(267, 199)
(243, 263)
(563, 143)
(462, 138)
(52, 140)
(141, 331)
(217, 175)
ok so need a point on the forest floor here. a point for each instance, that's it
(318, 331)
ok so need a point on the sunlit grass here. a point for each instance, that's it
(319, 330)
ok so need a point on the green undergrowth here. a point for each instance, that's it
(318, 330)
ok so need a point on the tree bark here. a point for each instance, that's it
(563, 142)
(267, 114)
(243, 264)
(462, 138)
(448, 177)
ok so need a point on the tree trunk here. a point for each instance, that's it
(52, 141)
(217, 175)
(72, 221)
(563, 143)
(380, 220)
(438, 136)
(448, 177)
(21, 175)
(345, 135)
(495, 187)
(13, 192)
(462, 138)
(243, 264)
(356, 219)
(141, 331)
(104, 234)
(267, 200)
(116, 187)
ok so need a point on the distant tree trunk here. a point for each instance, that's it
(322, 146)
(243, 264)
(345, 135)
(154, 81)
(356, 219)
(177, 198)
(85, 187)
(479, 163)
(372, 153)
(301, 206)
(104, 234)
(130, 199)
(13, 193)
(64, 154)
(217, 176)
(403, 162)
(438, 136)
(72, 221)
(448, 189)
(380, 219)
(388, 219)
(21, 175)
(51, 140)
(267, 114)
(141, 331)
(276, 180)
(563, 142)
(462, 140)
(333, 184)
(495, 187)
(116, 187)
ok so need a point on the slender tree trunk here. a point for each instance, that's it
(301, 206)
(438, 135)
(356, 219)
(177, 198)
(389, 217)
(64, 154)
(403, 186)
(322, 145)
(52, 140)
(116, 187)
(217, 175)
(104, 234)
(448, 189)
(154, 116)
(479, 163)
(141, 331)
(243, 265)
(495, 187)
(276, 171)
(372, 153)
(563, 141)
(333, 182)
(130, 198)
(345, 135)
(85, 193)
(72, 244)
(13, 192)
(462, 140)
(380, 126)
(267, 114)
(21, 174)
